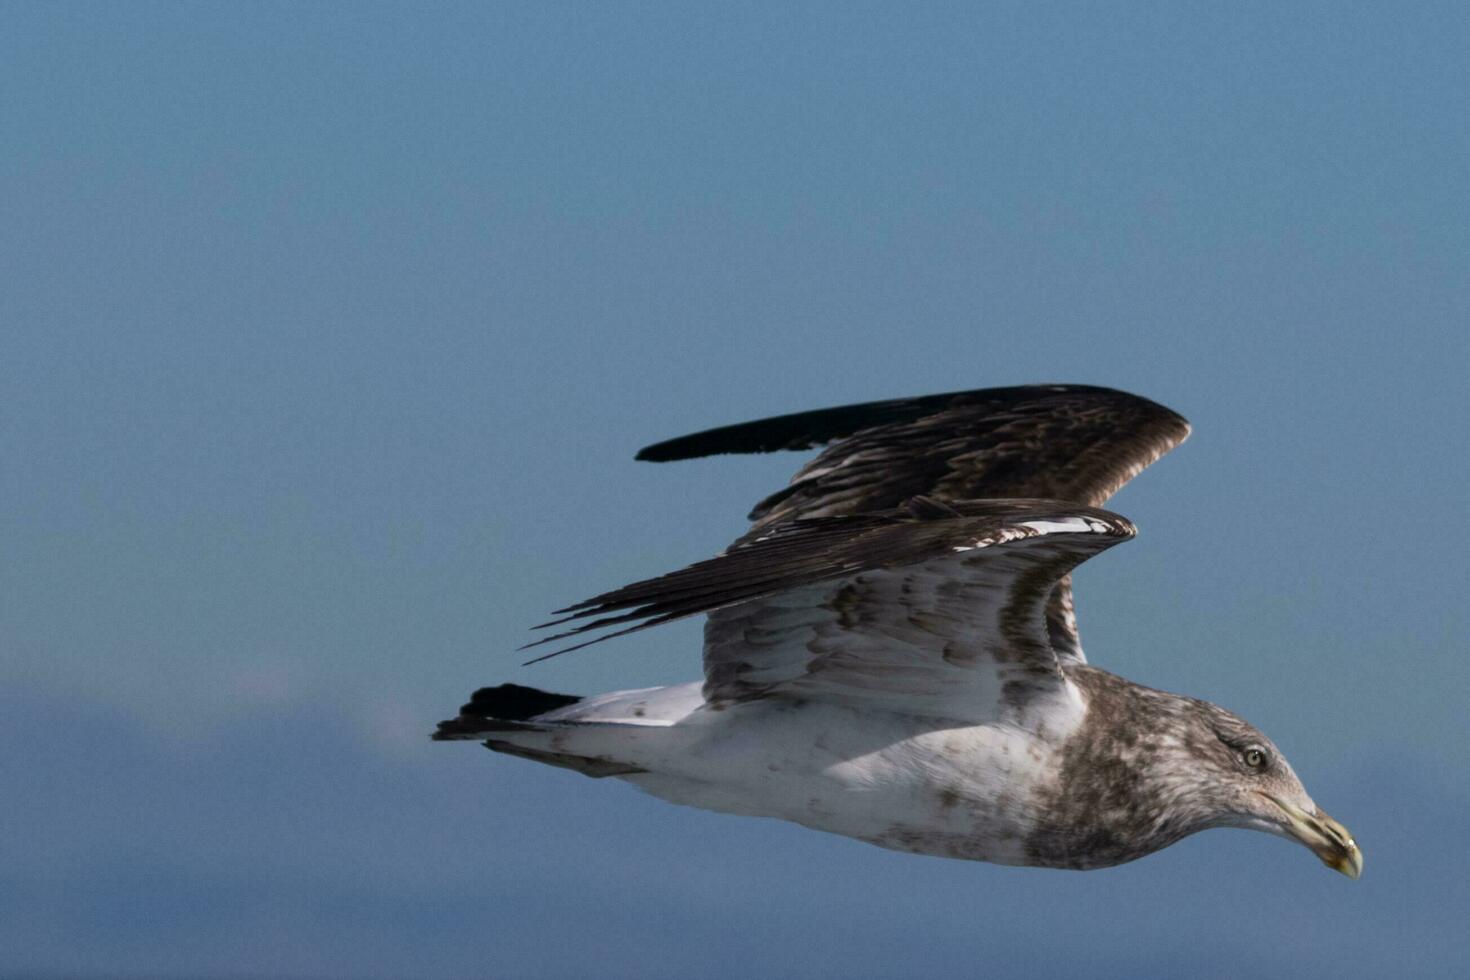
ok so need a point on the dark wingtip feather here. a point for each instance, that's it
(799, 430)
(803, 430)
(654, 453)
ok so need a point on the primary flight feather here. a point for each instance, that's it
(890, 652)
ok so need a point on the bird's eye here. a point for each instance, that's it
(1255, 758)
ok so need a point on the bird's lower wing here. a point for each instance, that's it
(934, 609)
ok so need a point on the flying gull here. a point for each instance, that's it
(890, 652)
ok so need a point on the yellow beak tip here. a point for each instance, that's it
(1348, 861)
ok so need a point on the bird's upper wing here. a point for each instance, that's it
(936, 609)
(1066, 442)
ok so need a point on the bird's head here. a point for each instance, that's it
(1243, 780)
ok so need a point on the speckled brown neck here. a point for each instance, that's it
(1115, 799)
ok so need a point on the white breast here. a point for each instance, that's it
(897, 781)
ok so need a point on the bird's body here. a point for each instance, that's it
(891, 655)
(897, 780)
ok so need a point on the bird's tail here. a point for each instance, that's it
(507, 708)
(509, 719)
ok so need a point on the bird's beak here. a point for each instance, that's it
(1327, 838)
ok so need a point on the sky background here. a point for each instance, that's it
(328, 333)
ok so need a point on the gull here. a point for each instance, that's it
(891, 651)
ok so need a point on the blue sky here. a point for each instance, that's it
(329, 333)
